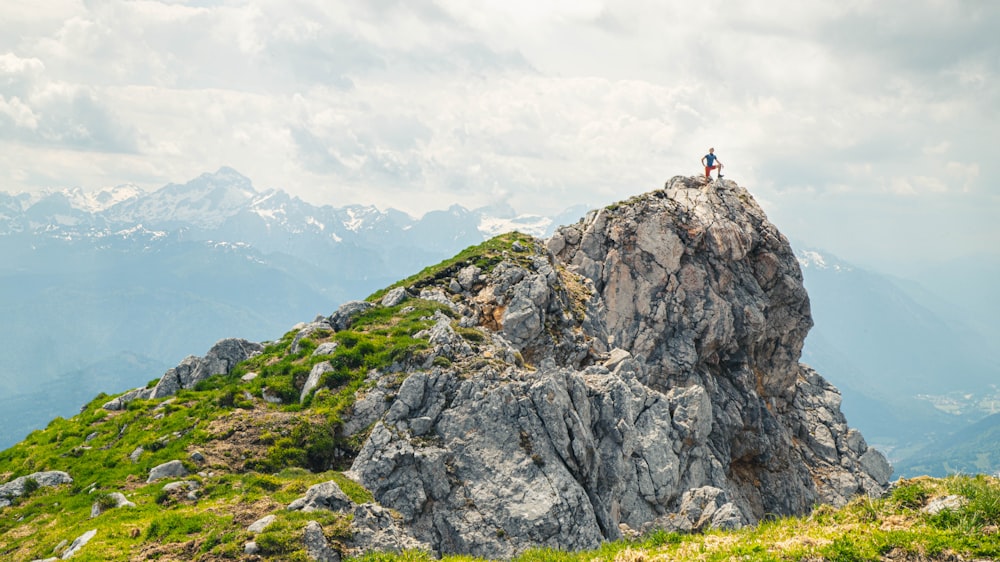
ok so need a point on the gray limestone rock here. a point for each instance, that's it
(219, 360)
(316, 544)
(261, 524)
(270, 396)
(374, 529)
(136, 453)
(180, 485)
(314, 377)
(345, 314)
(120, 500)
(117, 500)
(78, 543)
(325, 495)
(468, 277)
(946, 503)
(120, 402)
(223, 356)
(171, 469)
(308, 330)
(18, 486)
(325, 348)
(640, 369)
(395, 296)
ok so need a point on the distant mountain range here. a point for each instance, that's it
(104, 291)
(90, 277)
(912, 368)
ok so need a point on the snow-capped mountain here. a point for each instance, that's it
(133, 267)
(356, 242)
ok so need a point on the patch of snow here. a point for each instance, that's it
(527, 224)
(266, 213)
(814, 259)
(316, 223)
(97, 201)
(354, 223)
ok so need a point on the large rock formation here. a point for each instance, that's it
(219, 360)
(639, 369)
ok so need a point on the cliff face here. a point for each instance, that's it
(638, 370)
(641, 370)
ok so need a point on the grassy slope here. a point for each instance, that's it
(261, 456)
(890, 528)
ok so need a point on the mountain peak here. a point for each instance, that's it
(206, 201)
(638, 370)
(817, 259)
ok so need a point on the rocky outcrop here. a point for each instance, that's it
(317, 548)
(219, 360)
(639, 369)
(26, 484)
(372, 526)
(326, 495)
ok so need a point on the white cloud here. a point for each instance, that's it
(19, 113)
(425, 103)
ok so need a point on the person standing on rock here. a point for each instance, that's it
(709, 161)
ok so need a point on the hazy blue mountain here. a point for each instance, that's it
(58, 396)
(88, 277)
(971, 450)
(909, 373)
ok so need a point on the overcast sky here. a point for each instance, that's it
(869, 129)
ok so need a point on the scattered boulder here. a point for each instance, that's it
(325, 348)
(113, 500)
(319, 325)
(346, 313)
(171, 469)
(261, 524)
(946, 503)
(136, 453)
(325, 495)
(270, 396)
(79, 543)
(394, 296)
(316, 544)
(181, 485)
(219, 360)
(20, 485)
(315, 375)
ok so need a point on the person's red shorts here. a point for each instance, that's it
(708, 169)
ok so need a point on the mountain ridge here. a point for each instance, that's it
(637, 370)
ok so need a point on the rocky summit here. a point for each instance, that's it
(642, 372)
(638, 370)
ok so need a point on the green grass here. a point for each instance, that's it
(292, 445)
(298, 451)
(485, 256)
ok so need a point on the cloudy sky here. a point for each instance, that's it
(866, 128)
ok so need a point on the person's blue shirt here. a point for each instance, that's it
(710, 159)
